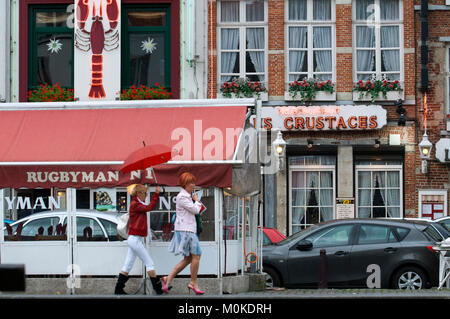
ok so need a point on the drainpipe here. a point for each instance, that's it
(423, 45)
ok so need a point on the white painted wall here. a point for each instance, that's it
(111, 59)
(194, 49)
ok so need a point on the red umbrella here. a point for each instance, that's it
(145, 157)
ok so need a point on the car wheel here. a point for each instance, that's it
(272, 278)
(411, 278)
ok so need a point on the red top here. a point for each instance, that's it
(138, 217)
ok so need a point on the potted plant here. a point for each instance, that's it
(370, 90)
(242, 88)
(143, 92)
(311, 90)
(50, 93)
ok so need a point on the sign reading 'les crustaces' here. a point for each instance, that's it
(327, 117)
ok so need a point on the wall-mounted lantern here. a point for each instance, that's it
(425, 145)
(279, 145)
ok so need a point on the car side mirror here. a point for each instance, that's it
(304, 245)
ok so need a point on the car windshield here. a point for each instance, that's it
(297, 235)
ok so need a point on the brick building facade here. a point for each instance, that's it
(277, 42)
(358, 158)
(432, 30)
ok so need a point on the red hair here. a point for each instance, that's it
(186, 178)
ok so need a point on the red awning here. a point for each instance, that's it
(92, 135)
(105, 137)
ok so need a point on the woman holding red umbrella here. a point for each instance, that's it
(138, 230)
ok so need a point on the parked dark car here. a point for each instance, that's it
(402, 250)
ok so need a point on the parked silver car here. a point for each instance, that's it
(92, 225)
(444, 221)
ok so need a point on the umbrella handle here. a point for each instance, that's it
(162, 191)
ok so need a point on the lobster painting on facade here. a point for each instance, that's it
(97, 32)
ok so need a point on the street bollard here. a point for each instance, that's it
(12, 277)
(323, 280)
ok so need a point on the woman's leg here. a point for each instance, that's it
(141, 251)
(123, 275)
(129, 261)
(178, 268)
(194, 270)
(196, 252)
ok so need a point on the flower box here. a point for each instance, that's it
(243, 88)
(309, 90)
(50, 93)
(390, 96)
(377, 90)
(263, 96)
(142, 92)
(320, 96)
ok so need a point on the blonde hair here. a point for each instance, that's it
(135, 188)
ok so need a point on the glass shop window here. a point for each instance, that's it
(234, 206)
(146, 45)
(50, 46)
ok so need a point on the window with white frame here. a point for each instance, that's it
(242, 37)
(310, 38)
(379, 189)
(432, 203)
(378, 39)
(312, 191)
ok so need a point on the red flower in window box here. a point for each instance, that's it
(375, 87)
(242, 87)
(307, 89)
(50, 93)
(145, 93)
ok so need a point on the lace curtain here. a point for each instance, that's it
(229, 41)
(389, 10)
(298, 39)
(322, 58)
(254, 39)
(381, 189)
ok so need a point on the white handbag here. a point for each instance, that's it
(123, 225)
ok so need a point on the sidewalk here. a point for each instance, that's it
(282, 293)
(267, 294)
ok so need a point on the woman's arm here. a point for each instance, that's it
(141, 208)
(188, 205)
